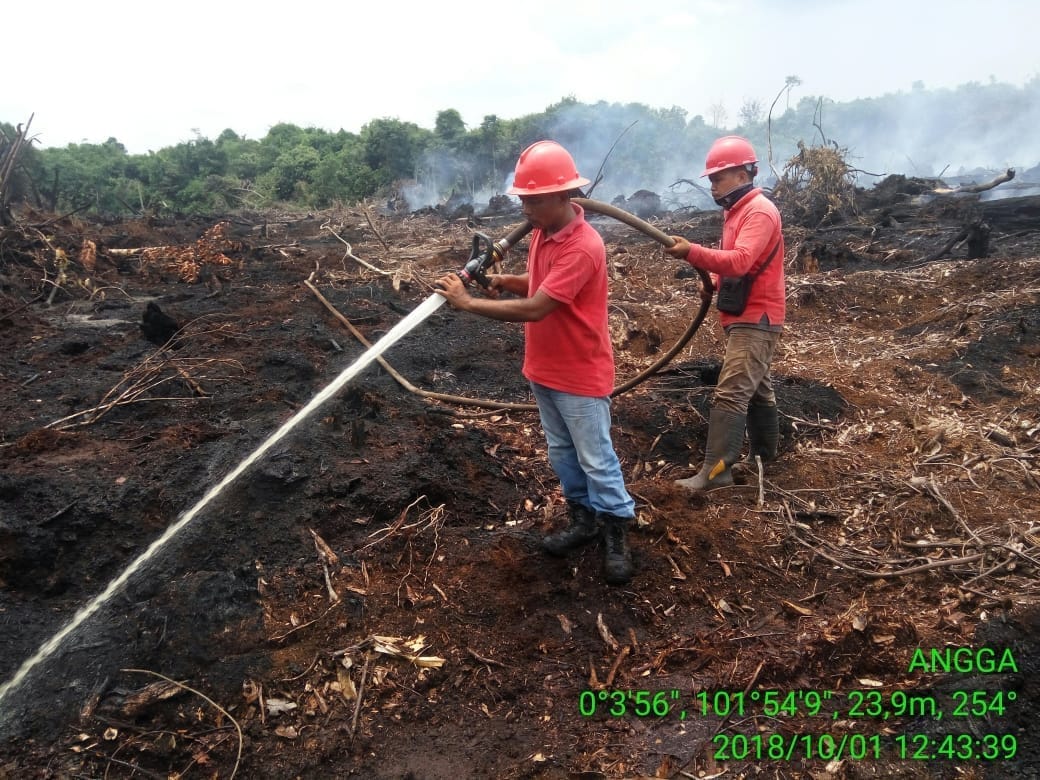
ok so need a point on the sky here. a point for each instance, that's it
(154, 78)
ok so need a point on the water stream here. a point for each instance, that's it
(416, 317)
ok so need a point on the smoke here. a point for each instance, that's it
(965, 135)
(446, 177)
(633, 149)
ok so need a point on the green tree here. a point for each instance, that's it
(449, 128)
(188, 177)
(314, 167)
(489, 137)
(342, 175)
(392, 148)
(90, 176)
(279, 139)
(292, 170)
(242, 154)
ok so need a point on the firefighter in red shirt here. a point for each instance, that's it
(568, 357)
(752, 243)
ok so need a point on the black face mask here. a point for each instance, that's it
(730, 199)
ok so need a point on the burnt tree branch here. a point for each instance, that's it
(9, 150)
(1007, 175)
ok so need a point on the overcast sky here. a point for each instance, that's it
(153, 75)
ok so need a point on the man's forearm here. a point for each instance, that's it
(512, 283)
(506, 310)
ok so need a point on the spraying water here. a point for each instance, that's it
(418, 315)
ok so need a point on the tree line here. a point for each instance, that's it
(313, 168)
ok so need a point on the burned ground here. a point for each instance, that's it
(369, 599)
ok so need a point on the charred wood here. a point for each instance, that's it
(1008, 175)
(157, 326)
(1011, 214)
(9, 150)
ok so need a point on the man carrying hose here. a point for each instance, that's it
(568, 357)
(749, 270)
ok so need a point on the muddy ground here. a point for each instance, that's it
(369, 599)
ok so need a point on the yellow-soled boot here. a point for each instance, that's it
(725, 440)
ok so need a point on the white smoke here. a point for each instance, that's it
(966, 135)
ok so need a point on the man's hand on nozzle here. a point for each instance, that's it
(451, 287)
(495, 286)
(507, 283)
(680, 249)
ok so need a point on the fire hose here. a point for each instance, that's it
(485, 253)
(475, 269)
(664, 239)
(483, 258)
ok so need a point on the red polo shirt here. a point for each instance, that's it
(750, 230)
(570, 350)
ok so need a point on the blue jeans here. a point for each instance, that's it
(577, 431)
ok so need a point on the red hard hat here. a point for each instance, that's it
(543, 167)
(730, 151)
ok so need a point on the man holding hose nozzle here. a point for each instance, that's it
(568, 357)
(749, 273)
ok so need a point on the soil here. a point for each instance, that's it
(369, 599)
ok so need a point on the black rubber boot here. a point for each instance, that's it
(763, 429)
(725, 440)
(617, 557)
(583, 528)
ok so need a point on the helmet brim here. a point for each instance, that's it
(726, 167)
(566, 186)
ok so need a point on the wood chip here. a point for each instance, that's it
(790, 606)
(604, 632)
(324, 551)
(676, 540)
(677, 573)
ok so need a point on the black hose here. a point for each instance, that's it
(517, 233)
(642, 226)
(598, 207)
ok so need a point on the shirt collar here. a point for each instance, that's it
(570, 227)
(745, 200)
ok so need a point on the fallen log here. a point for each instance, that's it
(965, 189)
(1011, 214)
